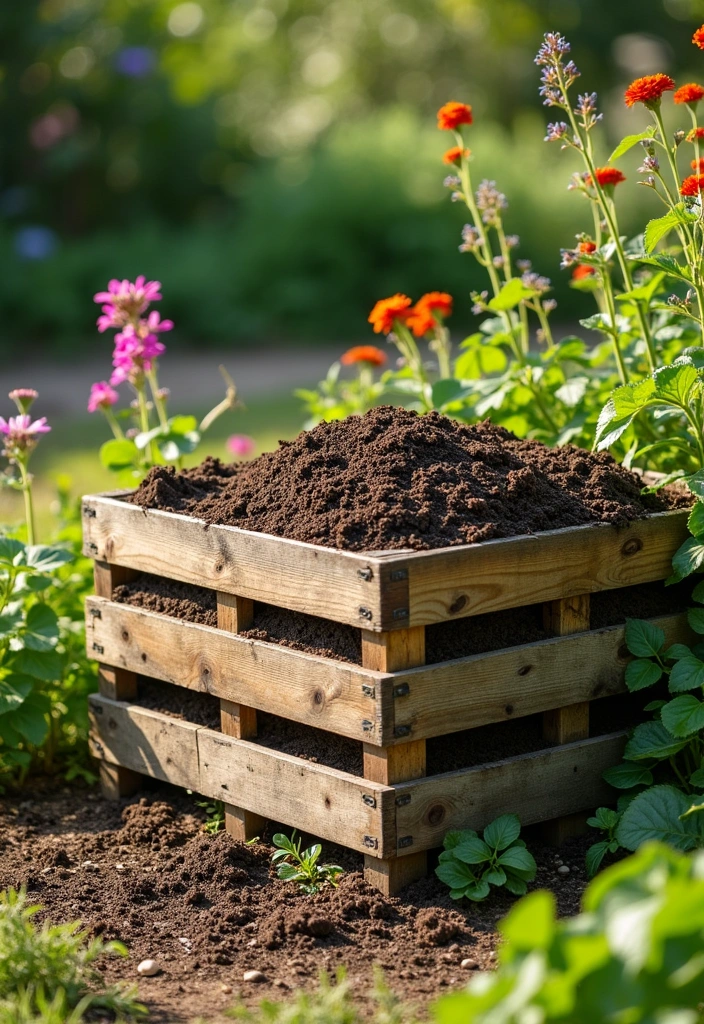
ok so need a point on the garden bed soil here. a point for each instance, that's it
(443, 641)
(392, 479)
(208, 909)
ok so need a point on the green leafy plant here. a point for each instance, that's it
(296, 865)
(605, 820)
(634, 954)
(214, 815)
(52, 966)
(470, 865)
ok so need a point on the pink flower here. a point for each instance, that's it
(125, 300)
(155, 325)
(21, 432)
(240, 444)
(135, 352)
(102, 396)
(23, 398)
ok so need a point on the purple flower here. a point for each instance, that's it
(23, 398)
(240, 444)
(21, 432)
(125, 300)
(556, 131)
(102, 396)
(135, 352)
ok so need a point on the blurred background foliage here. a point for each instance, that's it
(275, 163)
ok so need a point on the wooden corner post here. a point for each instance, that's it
(115, 683)
(236, 614)
(391, 652)
(567, 724)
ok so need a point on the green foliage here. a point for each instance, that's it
(470, 865)
(633, 955)
(296, 865)
(214, 815)
(45, 675)
(47, 971)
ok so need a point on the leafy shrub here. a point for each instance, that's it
(50, 968)
(470, 864)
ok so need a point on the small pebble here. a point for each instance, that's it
(558, 862)
(254, 976)
(280, 983)
(119, 867)
(252, 942)
(563, 870)
(148, 968)
(226, 989)
(469, 964)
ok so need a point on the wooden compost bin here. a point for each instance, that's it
(393, 703)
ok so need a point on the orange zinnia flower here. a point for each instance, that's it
(648, 90)
(689, 93)
(454, 155)
(452, 115)
(698, 165)
(363, 354)
(695, 133)
(387, 310)
(692, 185)
(581, 271)
(698, 38)
(423, 316)
(588, 246)
(607, 176)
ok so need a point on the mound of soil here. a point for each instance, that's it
(208, 908)
(394, 479)
(444, 641)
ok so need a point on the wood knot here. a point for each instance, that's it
(458, 604)
(125, 635)
(632, 546)
(436, 815)
(319, 698)
(524, 670)
(509, 709)
(623, 652)
(144, 657)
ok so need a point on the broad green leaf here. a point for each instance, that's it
(658, 228)
(642, 672)
(683, 716)
(31, 718)
(46, 665)
(456, 874)
(667, 263)
(10, 621)
(627, 775)
(629, 141)
(688, 558)
(595, 855)
(696, 779)
(9, 550)
(513, 292)
(606, 818)
(478, 892)
(183, 424)
(46, 559)
(676, 651)
(687, 674)
(480, 361)
(675, 383)
(449, 390)
(516, 885)
(455, 837)
(503, 831)
(644, 639)
(572, 391)
(652, 739)
(42, 628)
(473, 851)
(519, 859)
(531, 924)
(14, 689)
(698, 592)
(695, 482)
(173, 446)
(655, 814)
(695, 617)
(118, 454)
(496, 876)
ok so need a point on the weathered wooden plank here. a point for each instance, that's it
(338, 585)
(144, 741)
(536, 787)
(501, 685)
(113, 682)
(469, 580)
(327, 694)
(305, 795)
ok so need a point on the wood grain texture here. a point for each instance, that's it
(235, 614)
(117, 683)
(113, 682)
(392, 651)
(518, 681)
(316, 691)
(117, 782)
(536, 787)
(338, 585)
(470, 580)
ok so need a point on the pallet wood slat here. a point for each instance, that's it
(387, 591)
(359, 703)
(117, 683)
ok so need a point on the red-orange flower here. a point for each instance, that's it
(587, 246)
(695, 133)
(698, 165)
(581, 271)
(692, 185)
(452, 115)
(423, 317)
(363, 354)
(689, 93)
(387, 310)
(648, 90)
(698, 38)
(607, 176)
(454, 155)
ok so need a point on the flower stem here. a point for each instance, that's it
(28, 501)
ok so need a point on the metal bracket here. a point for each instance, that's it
(96, 613)
(401, 801)
(400, 613)
(367, 726)
(371, 842)
(98, 648)
(89, 512)
(402, 690)
(92, 547)
(402, 730)
(368, 691)
(366, 613)
(365, 574)
(398, 574)
(404, 841)
(368, 799)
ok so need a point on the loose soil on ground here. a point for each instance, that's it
(394, 479)
(208, 909)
